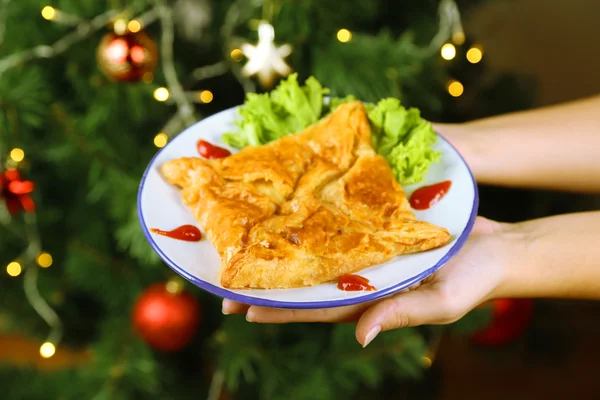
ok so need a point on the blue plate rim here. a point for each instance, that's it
(255, 301)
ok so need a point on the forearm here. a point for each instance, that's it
(554, 147)
(559, 257)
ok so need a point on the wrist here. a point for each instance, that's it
(513, 258)
(463, 137)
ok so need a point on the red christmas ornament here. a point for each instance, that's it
(128, 57)
(166, 317)
(16, 192)
(510, 319)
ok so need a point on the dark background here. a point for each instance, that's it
(556, 42)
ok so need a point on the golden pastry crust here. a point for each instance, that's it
(305, 209)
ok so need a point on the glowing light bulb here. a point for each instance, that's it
(455, 88)
(206, 96)
(344, 35)
(474, 55)
(458, 37)
(237, 55)
(134, 26)
(17, 155)
(174, 286)
(47, 350)
(48, 13)
(161, 94)
(14, 268)
(44, 260)
(120, 26)
(161, 140)
(426, 361)
(448, 51)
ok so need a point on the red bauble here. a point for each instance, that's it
(16, 192)
(128, 57)
(510, 319)
(166, 319)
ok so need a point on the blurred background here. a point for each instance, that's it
(91, 89)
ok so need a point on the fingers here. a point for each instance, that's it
(280, 315)
(233, 307)
(484, 226)
(414, 308)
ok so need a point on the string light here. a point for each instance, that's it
(344, 35)
(17, 155)
(47, 350)
(48, 13)
(120, 26)
(237, 55)
(161, 94)
(161, 140)
(426, 361)
(448, 51)
(455, 88)
(14, 268)
(44, 260)
(474, 55)
(206, 96)
(458, 37)
(134, 26)
(174, 286)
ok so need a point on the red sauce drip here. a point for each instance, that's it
(210, 151)
(189, 233)
(428, 196)
(354, 283)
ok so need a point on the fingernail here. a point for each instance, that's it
(250, 316)
(224, 307)
(372, 334)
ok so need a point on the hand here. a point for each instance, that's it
(462, 137)
(475, 275)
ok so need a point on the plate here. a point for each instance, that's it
(160, 206)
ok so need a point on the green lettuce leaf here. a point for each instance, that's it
(399, 134)
(404, 139)
(288, 109)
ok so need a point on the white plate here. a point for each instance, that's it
(160, 206)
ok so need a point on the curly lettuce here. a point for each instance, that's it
(398, 133)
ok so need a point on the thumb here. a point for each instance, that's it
(419, 307)
(484, 226)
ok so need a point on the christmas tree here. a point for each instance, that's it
(90, 89)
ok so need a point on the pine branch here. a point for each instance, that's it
(173, 125)
(184, 106)
(40, 305)
(216, 385)
(210, 71)
(240, 10)
(83, 144)
(100, 258)
(148, 17)
(3, 17)
(82, 32)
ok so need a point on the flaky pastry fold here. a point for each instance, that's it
(305, 209)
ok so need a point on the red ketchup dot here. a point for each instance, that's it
(428, 196)
(354, 283)
(210, 151)
(189, 233)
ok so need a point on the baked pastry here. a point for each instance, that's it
(305, 209)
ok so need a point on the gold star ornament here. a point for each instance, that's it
(266, 60)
